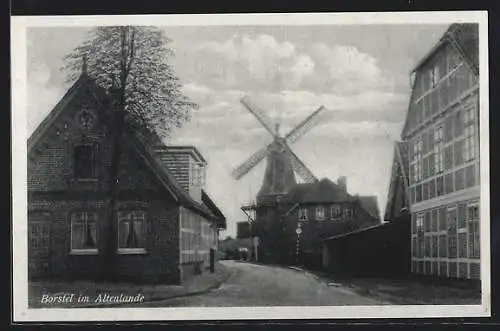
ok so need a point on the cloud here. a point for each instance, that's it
(246, 61)
(347, 70)
(42, 95)
(262, 63)
(290, 107)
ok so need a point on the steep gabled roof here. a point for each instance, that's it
(56, 111)
(399, 178)
(138, 140)
(402, 156)
(467, 42)
(464, 38)
(326, 191)
(298, 191)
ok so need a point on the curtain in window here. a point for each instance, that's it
(123, 233)
(131, 231)
(139, 233)
(78, 234)
(91, 234)
(91, 230)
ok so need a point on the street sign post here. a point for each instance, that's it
(298, 231)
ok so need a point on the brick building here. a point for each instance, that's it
(442, 133)
(166, 223)
(321, 210)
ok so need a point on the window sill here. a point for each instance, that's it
(84, 252)
(131, 251)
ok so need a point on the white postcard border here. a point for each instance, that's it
(19, 171)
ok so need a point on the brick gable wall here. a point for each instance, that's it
(53, 188)
(50, 163)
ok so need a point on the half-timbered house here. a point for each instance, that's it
(442, 131)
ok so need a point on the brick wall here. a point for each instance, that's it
(159, 264)
(52, 188)
(50, 163)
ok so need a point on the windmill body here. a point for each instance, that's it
(282, 166)
(279, 177)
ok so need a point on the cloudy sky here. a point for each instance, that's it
(359, 73)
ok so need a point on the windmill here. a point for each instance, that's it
(279, 179)
(282, 162)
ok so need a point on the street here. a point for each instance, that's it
(259, 285)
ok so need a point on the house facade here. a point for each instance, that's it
(327, 209)
(321, 209)
(442, 132)
(165, 223)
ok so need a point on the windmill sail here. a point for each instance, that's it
(282, 162)
(304, 126)
(266, 122)
(300, 168)
(251, 162)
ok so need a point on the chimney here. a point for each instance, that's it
(342, 183)
(187, 166)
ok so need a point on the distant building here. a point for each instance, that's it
(321, 210)
(166, 223)
(442, 132)
(242, 230)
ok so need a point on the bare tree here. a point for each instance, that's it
(132, 64)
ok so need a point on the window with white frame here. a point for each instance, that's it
(131, 231)
(198, 176)
(303, 214)
(83, 231)
(320, 213)
(474, 234)
(335, 211)
(438, 149)
(417, 160)
(420, 223)
(434, 76)
(470, 142)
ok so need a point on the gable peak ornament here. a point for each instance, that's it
(86, 119)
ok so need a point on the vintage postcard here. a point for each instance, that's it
(258, 166)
